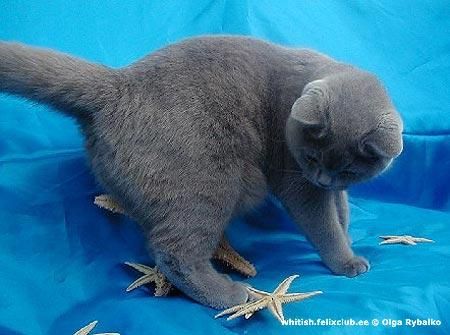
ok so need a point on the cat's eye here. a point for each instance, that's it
(348, 174)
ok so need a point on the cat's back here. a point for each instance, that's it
(196, 96)
(195, 87)
(210, 52)
(215, 66)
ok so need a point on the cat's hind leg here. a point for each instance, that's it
(183, 206)
(183, 241)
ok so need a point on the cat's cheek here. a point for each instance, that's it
(311, 174)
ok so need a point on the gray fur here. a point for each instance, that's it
(198, 133)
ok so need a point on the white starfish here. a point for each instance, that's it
(273, 301)
(403, 239)
(151, 275)
(87, 329)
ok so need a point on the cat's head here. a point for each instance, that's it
(343, 129)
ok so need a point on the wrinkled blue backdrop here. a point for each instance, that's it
(61, 257)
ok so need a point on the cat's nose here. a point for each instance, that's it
(324, 179)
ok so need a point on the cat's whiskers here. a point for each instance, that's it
(290, 171)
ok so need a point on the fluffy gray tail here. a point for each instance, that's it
(66, 83)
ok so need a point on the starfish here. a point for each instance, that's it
(403, 239)
(273, 301)
(87, 329)
(227, 255)
(151, 275)
(106, 202)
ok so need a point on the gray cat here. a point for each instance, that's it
(200, 131)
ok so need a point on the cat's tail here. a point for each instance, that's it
(69, 84)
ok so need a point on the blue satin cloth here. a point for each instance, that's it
(61, 257)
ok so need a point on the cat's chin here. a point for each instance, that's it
(329, 188)
(339, 188)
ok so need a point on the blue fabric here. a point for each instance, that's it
(61, 257)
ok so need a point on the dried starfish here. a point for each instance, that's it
(106, 202)
(87, 329)
(273, 301)
(151, 275)
(403, 239)
(224, 253)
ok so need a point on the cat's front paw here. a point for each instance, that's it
(353, 267)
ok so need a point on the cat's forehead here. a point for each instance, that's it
(357, 107)
(349, 123)
(359, 90)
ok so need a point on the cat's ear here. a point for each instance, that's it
(386, 139)
(310, 109)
